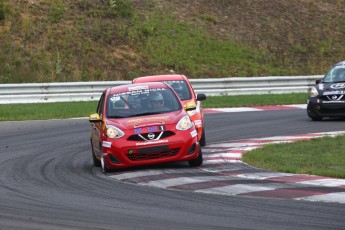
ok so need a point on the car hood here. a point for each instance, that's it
(150, 120)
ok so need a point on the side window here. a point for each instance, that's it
(101, 105)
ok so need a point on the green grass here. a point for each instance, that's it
(254, 100)
(44, 111)
(61, 110)
(117, 40)
(320, 156)
(174, 45)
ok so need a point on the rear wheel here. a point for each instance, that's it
(197, 161)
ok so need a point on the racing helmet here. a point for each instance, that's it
(156, 100)
(178, 89)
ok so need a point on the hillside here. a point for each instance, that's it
(87, 40)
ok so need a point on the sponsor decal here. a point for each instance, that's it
(332, 102)
(135, 88)
(338, 86)
(106, 144)
(321, 86)
(147, 119)
(150, 129)
(336, 92)
(197, 122)
(151, 142)
(193, 133)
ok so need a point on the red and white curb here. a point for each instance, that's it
(224, 173)
(256, 108)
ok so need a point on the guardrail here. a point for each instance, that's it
(91, 91)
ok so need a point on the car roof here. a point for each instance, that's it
(124, 88)
(166, 77)
(340, 63)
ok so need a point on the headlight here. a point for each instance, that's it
(192, 112)
(314, 92)
(114, 132)
(184, 123)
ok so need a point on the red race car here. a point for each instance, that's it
(189, 99)
(141, 124)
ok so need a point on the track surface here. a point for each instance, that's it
(47, 182)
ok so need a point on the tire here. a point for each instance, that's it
(197, 161)
(96, 162)
(316, 118)
(311, 116)
(203, 138)
(104, 167)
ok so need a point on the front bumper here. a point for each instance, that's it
(321, 108)
(123, 153)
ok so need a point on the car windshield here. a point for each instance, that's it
(181, 88)
(335, 74)
(141, 101)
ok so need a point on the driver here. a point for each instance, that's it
(178, 89)
(156, 100)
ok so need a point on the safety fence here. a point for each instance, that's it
(91, 91)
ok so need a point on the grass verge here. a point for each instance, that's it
(44, 111)
(61, 110)
(320, 156)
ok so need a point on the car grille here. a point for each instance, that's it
(336, 97)
(153, 153)
(136, 137)
(338, 111)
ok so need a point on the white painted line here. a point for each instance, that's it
(264, 175)
(222, 155)
(329, 182)
(242, 188)
(135, 174)
(331, 197)
(165, 183)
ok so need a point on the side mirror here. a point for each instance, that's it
(201, 97)
(94, 118)
(190, 106)
(318, 81)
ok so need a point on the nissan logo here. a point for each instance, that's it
(151, 136)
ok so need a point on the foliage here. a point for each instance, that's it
(3, 9)
(55, 40)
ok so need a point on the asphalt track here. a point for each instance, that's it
(47, 181)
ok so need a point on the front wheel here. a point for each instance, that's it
(311, 114)
(316, 118)
(197, 161)
(104, 167)
(96, 162)
(203, 138)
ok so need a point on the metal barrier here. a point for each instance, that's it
(91, 91)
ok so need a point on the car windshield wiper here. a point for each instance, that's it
(116, 116)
